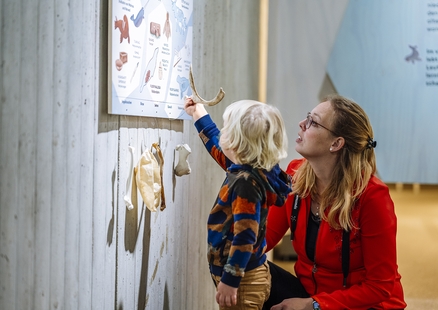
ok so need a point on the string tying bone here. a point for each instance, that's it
(197, 99)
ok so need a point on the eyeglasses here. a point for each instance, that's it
(310, 122)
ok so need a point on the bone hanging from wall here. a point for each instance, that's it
(147, 174)
(160, 155)
(183, 167)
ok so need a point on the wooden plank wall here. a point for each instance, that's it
(67, 240)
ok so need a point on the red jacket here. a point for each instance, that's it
(373, 280)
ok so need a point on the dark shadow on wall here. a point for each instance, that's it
(166, 298)
(105, 121)
(142, 292)
(110, 230)
(132, 222)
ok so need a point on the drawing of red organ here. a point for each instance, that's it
(155, 29)
(148, 76)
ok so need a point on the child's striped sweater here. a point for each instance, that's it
(237, 221)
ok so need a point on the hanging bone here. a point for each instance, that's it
(197, 99)
(160, 155)
(183, 167)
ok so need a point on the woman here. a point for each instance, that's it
(339, 198)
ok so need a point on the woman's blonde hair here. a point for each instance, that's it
(356, 164)
(255, 132)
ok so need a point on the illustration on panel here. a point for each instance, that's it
(150, 57)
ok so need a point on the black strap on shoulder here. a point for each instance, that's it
(345, 255)
(345, 238)
(294, 216)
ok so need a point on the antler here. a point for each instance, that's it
(197, 99)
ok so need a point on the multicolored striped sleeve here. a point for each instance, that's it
(209, 134)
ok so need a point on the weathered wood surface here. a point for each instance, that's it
(67, 240)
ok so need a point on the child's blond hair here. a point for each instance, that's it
(255, 132)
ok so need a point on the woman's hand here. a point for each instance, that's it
(295, 304)
(195, 110)
(226, 296)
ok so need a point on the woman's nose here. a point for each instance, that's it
(302, 125)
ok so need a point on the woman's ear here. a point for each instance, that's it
(337, 144)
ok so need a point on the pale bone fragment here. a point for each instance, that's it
(148, 180)
(160, 155)
(128, 194)
(197, 99)
(183, 167)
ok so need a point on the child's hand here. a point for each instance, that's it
(189, 106)
(195, 110)
(226, 296)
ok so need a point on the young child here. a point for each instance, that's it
(249, 147)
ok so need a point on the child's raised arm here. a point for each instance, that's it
(208, 130)
(195, 110)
